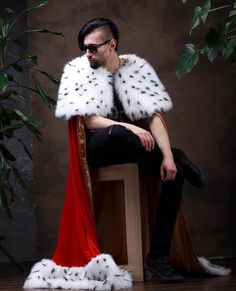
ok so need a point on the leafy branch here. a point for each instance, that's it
(220, 41)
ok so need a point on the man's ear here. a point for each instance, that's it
(113, 43)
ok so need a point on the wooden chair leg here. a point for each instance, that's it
(133, 221)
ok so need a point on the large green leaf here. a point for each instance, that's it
(188, 59)
(200, 15)
(36, 5)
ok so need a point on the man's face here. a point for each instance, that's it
(96, 59)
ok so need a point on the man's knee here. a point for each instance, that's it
(119, 133)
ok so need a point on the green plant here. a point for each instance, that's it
(219, 40)
(11, 117)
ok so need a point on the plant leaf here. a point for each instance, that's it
(36, 5)
(187, 60)
(50, 77)
(4, 202)
(31, 59)
(26, 118)
(18, 43)
(11, 128)
(200, 15)
(3, 83)
(18, 177)
(210, 52)
(30, 122)
(6, 153)
(3, 40)
(232, 12)
(230, 48)
(17, 67)
(25, 148)
(45, 31)
(46, 100)
(4, 165)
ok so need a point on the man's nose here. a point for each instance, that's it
(88, 53)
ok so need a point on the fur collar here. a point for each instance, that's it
(85, 91)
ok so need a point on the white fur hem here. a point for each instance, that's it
(212, 268)
(101, 273)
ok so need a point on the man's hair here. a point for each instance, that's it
(109, 29)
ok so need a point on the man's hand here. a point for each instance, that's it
(168, 170)
(145, 137)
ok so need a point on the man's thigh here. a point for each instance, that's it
(115, 145)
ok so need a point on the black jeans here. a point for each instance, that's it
(116, 145)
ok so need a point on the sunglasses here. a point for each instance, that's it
(93, 48)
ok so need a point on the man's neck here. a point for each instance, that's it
(113, 63)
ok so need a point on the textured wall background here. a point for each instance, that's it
(201, 122)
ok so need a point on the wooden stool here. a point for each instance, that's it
(128, 173)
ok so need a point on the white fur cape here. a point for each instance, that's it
(85, 91)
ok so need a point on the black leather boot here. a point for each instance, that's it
(192, 173)
(163, 269)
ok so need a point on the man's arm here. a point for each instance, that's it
(168, 169)
(97, 122)
(158, 135)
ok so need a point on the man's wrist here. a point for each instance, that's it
(168, 156)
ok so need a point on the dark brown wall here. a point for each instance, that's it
(201, 122)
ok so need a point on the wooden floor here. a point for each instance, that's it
(12, 279)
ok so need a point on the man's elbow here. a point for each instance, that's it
(89, 122)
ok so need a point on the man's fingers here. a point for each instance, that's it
(147, 141)
(162, 175)
(170, 175)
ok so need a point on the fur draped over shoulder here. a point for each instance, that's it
(86, 91)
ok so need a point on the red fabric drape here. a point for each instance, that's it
(77, 242)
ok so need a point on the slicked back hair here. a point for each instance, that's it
(109, 29)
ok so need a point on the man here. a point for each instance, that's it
(103, 96)
(112, 92)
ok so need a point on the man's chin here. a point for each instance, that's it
(94, 65)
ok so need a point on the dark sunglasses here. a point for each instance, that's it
(93, 48)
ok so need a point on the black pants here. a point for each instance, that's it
(117, 145)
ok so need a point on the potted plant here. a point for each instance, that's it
(220, 40)
(15, 59)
